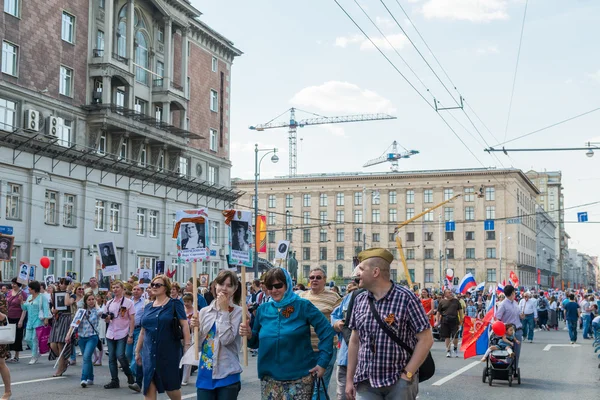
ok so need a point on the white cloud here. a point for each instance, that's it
(469, 10)
(595, 76)
(397, 40)
(569, 81)
(488, 50)
(335, 130)
(336, 97)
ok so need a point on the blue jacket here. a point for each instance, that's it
(282, 336)
(337, 315)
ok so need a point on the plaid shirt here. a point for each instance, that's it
(85, 328)
(380, 359)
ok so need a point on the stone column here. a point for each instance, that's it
(109, 32)
(106, 90)
(168, 55)
(184, 59)
(130, 34)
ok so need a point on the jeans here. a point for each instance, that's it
(31, 339)
(116, 351)
(587, 320)
(341, 382)
(528, 326)
(326, 377)
(87, 345)
(572, 325)
(223, 393)
(517, 346)
(400, 390)
(130, 348)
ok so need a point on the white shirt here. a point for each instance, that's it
(528, 307)
(553, 306)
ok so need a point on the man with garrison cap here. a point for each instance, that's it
(378, 368)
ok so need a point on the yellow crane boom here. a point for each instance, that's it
(408, 221)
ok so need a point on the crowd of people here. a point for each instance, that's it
(374, 339)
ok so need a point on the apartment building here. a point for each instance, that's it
(547, 260)
(113, 115)
(330, 218)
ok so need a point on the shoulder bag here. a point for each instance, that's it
(427, 369)
(8, 332)
(321, 384)
(175, 325)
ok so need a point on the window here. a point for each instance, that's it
(428, 254)
(448, 214)
(358, 236)
(102, 145)
(470, 271)
(339, 233)
(160, 71)
(306, 253)
(358, 216)
(490, 235)
(214, 101)
(322, 253)
(65, 136)
(123, 150)
(153, 223)
(8, 111)
(358, 198)
(215, 64)
(470, 253)
(392, 237)
(115, 217)
(289, 201)
(51, 254)
(375, 199)
(322, 200)
(428, 217)
(12, 7)
(140, 106)
(13, 201)
(141, 57)
(490, 252)
(66, 81)
(270, 218)
(306, 271)
(491, 275)
(339, 199)
(50, 208)
(161, 34)
(288, 218)
(410, 254)
(272, 201)
(449, 235)
(144, 157)
(490, 212)
(68, 257)
(450, 254)
(428, 196)
(448, 193)
(271, 236)
(469, 235)
(375, 216)
(9, 58)
(428, 236)
(120, 98)
(305, 235)
(141, 221)
(69, 208)
(376, 237)
(490, 193)
(393, 215)
(469, 213)
(410, 197)
(68, 27)
(214, 232)
(322, 217)
(99, 215)
(339, 254)
(428, 275)
(469, 194)
(339, 216)
(213, 139)
(392, 198)
(340, 270)
(213, 175)
(306, 200)
(410, 236)
(306, 217)
(410, 212)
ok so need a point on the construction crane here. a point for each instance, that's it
(392, 157)
(292, 126)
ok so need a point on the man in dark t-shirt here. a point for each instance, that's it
(572, 312)
(449, 312)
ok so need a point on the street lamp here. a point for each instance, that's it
(274, 160)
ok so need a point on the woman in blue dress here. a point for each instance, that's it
(161, 362)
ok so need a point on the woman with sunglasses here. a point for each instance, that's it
(158, 350)
(287, 364)
(60, 327)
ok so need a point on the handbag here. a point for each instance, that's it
(8, 333)
(175, 325)
(427, 369)
(43, 334)
(321, 384)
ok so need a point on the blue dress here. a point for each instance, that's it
(161, 352)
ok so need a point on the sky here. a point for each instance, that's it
(310, 55)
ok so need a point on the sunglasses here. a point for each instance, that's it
(275, 286)
(157, 285)
(317, 277)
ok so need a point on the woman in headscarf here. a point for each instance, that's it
(287, 364)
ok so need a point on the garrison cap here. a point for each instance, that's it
(375, 252)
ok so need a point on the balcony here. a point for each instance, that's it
(120, 59)
(176, 86)
(96, 53)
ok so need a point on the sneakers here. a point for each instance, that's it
(89, 382)
(112, 385)
(572, 342)
(448, 355)
(184, 383)
(33, 360)
(455, 352)
(83, 384)
(12, 360)
(135, 387)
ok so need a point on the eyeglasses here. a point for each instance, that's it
(157, 285)
(317, 277)
(79, 288)
(275, 286)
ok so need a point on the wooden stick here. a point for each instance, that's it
(244, 316)
(195, 295)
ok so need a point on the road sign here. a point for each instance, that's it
(488, 224)
(582, 217)
(6, 230)
(513, 221)
(450, 226)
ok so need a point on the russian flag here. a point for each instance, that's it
(500, 288)
(467, 283)
(480, 287)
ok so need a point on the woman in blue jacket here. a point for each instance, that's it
(287, 365)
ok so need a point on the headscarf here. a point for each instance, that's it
(289, 296)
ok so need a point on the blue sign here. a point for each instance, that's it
(513, 221)
(450, 226)
(582, 217)
(6, 230)
(213, 253)
(488, 224)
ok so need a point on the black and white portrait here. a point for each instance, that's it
(59, 301)
(6, 246)
(193, 236)
(49, 280)
(240, 237)
(107, 253)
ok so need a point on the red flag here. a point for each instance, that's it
(475, 337)
(539, 277)
(514, 278)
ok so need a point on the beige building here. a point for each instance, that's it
(329, 218)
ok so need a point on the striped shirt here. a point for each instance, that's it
(326, 302)
(380, 359)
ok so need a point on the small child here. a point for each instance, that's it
(505, 343)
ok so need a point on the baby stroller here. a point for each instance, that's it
(500, 365)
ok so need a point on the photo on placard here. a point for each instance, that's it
(49, 279)
(78, 317)
(160, 267)
(23, 277)
(6, 247)
(32, 273)
(108, 254)
(203, 280)
(59, 301)
(240, 237)
(145, 276)
(103, 281)
(193, 235)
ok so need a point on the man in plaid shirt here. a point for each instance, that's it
(378, 368)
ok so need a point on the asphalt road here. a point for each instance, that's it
(560, 372)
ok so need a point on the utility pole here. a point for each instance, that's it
(500, 275)
(440, 249)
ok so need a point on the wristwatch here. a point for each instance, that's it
(409, 375)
